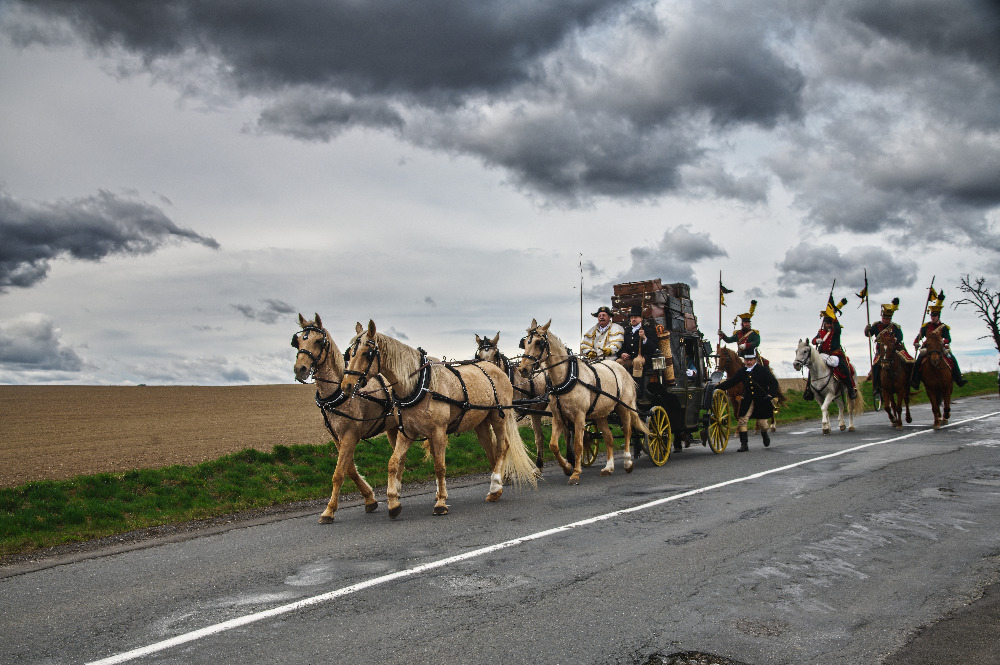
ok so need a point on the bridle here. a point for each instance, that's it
(545, 349)
(316, 360)
(371, 354)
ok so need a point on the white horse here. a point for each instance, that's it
(826, 388)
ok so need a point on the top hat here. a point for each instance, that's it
(635, 311)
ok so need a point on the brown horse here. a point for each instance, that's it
(581, 391)
(895, 373)
(365, 416)
(936, 377)
(531, 392)
(729, 362)
(434, 399)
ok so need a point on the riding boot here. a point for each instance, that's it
(807, 394)
(956, 373)
(876, 383)
(744, 440)
(915, 382)
(764, 435)
(852, 390)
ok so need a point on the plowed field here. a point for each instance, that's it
(54, 432)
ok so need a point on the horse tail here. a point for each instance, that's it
(858, 405)
(518, 464)
(781, 397)
(637, 423)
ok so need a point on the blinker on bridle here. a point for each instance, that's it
(371, 354)
(324, 347)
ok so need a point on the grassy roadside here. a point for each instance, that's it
(47, 513)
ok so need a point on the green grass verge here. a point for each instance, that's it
(53, 512)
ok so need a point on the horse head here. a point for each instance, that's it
(536, 347)
(315, 347)
(934, 346)
(803, 355)
(486, 349)
(363, 360)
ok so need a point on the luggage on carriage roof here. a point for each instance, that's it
(630, 288)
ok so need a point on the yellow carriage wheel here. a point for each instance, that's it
(660, 440)
(591, 435)
(719, 422)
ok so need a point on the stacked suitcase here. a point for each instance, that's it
(666, 306)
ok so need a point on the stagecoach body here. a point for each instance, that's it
(675, 405)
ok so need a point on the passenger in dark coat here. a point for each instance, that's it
(759, 387)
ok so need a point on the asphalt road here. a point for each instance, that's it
(820, 549)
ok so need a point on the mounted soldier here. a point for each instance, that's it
(746, 338)
(827, 342)
(886, 327)
(935, 324)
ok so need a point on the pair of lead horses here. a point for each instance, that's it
(382, 384)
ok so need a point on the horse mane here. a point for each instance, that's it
(404, 358)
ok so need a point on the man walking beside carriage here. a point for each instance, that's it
(936, 325)
(759, 389)
(889, 328)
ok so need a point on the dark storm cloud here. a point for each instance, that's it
(32, 342)
(812, 268)
(574, 99)
(672, 259)
(269, 313)
(90, 229)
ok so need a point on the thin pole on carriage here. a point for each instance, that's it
(923, 317)
(581, 296)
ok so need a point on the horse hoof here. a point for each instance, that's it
(440, 510)
(826, 431)
(937, 425)
(849, 429)
(371, 507)
(909, 419)
(944, 421)
(326, 519)
(628, 469)
(573, 481)
(843, 427)
(494, 496)
(568, 472)
(606, 472)
(394, 512)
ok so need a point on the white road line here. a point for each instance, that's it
(411, 572)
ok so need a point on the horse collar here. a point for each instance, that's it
(423, 383)
(571, 377)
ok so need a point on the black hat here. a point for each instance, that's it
(635, 311)
(752, 355)
(600, 309)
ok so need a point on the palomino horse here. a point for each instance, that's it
(936, 376)
(730, 363)
(433, 400)
(349, 420)
(530, 391)
(826, 388)
(578, 396)
(895, 379)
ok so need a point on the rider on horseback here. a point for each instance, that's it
(936, 324)
(747, 339)
(889, 328)
(827, 342)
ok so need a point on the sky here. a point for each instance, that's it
(180, 179)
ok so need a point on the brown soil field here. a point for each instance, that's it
(56, 432)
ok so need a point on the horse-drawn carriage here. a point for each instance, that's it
(676, 396)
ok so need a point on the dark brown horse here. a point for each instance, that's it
(730, 363)
(895, 378)
(936, 377)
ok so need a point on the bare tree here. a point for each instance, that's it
(984, 300)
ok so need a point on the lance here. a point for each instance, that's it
(868, 314)
(718, 344)
(923, 317)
